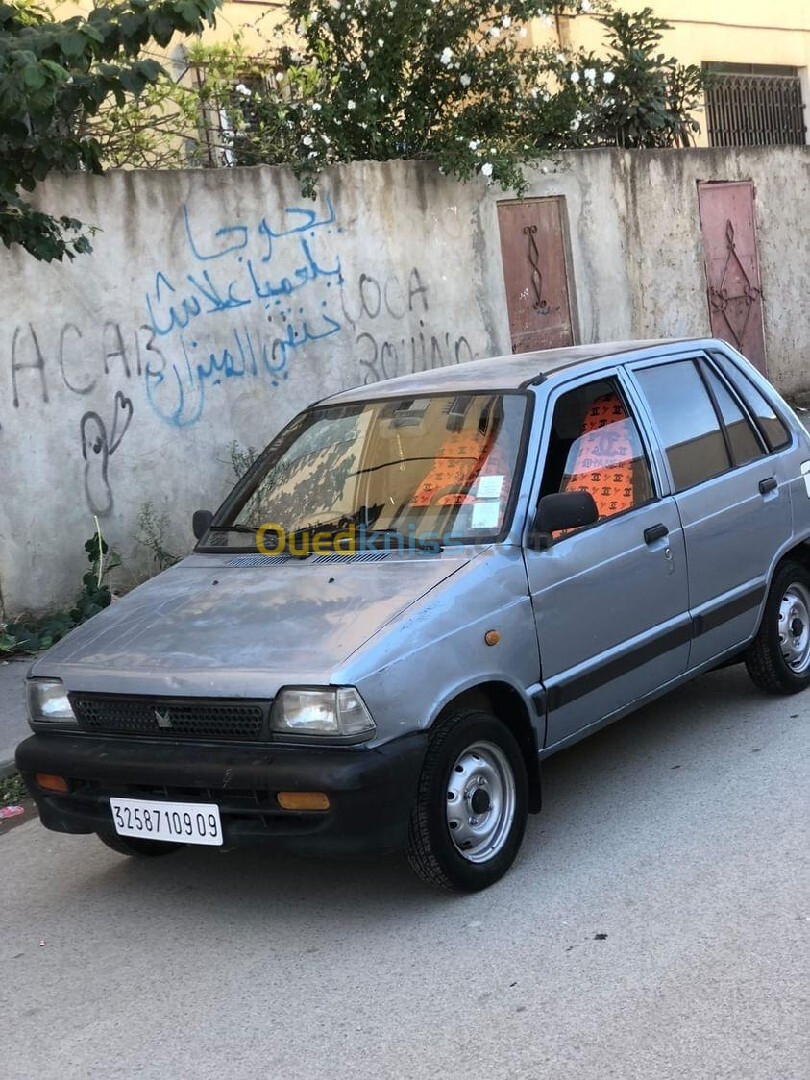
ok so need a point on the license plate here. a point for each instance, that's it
(178, 822)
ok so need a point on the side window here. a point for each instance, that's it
(775, 432)
(595, 446)
(687, 422)
(742, 439)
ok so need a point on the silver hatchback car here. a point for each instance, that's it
(423, 588)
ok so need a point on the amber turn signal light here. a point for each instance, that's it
(51, 783)
(303, 800)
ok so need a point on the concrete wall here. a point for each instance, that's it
(217, 304)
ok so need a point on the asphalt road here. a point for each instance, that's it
(680, 834)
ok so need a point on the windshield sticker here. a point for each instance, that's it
(805, 471)
(485, 515)
(490, 487)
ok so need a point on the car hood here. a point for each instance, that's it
(207, 626)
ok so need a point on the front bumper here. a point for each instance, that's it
(371, 791)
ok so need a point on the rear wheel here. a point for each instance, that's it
(137, 848)
(472, 804)
(778, 659)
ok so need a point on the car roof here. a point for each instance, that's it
(514, 372)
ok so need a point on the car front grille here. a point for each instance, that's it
(172, 718)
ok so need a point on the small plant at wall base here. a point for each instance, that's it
(241, 458)
(31, 635)
(150, 534)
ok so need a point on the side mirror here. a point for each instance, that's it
(200, 522)
(565, 510)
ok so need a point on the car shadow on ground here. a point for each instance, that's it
(614, 776)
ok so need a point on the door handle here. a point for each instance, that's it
(767, 485)
(655, 532)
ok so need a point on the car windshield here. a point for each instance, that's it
(432, 467)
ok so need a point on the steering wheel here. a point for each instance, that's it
(459, 493)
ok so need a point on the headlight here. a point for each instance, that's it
(48, 703)
(321, 712)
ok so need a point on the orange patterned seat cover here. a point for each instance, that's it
(463, 456)
(603, 462)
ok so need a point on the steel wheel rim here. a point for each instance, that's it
(794, 628)
(481, 800)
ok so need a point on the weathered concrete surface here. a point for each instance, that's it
(680, 833)
(218, 303)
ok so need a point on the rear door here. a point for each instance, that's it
(610, 601)
(732, 507)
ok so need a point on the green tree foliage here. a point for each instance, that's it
(53, 76)
(631, 96)
(452, 80)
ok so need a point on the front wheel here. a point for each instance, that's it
(472, 804)
(778, 659)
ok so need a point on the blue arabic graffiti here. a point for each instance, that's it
(272, 270)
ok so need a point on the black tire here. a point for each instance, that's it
(432, 852)
(137, 848)
(768, 665)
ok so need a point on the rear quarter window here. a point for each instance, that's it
(772, 427)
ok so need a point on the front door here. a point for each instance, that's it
(732, 267)
(535, 273)
(610, 601)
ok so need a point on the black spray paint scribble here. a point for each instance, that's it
(97, 449)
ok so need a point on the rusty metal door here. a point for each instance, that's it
(535, 272)
(732, 266)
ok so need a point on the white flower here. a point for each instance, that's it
(507, 21)
(590, 74)
(473, 144)
(533, 91)
(486, 169)
(351, 105)
(307, 140)
(495, 31)
(585, 5)
(560, 58)
(245, 91)
(326, 139)
(574, 125)
(334, 4)
(608, 77)
(447, 56)
(575, 77)
(316, 106)
(465, 80)
(279, 76)
(523, 32)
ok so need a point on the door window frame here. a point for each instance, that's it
(657, 481)
(695, 356)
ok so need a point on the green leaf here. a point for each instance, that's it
(34, 76)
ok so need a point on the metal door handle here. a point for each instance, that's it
(767, 485)
(655, 532)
